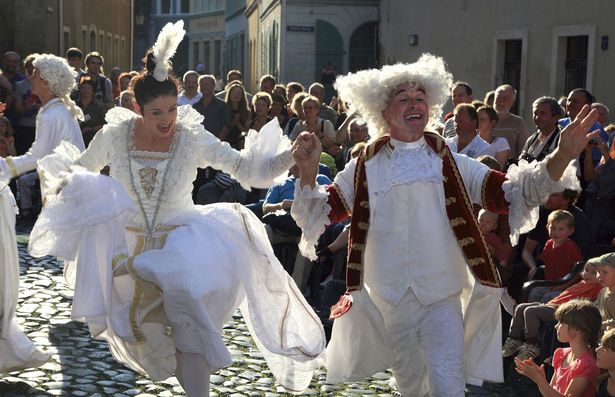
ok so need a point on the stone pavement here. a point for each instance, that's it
(82, 366)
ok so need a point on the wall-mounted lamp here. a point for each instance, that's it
(413, 40)
(604, 43)
(139, 19)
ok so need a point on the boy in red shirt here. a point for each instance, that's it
(559, 255)
(528, 316)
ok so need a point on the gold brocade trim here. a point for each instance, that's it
(117, 260)
(357, 246)
(150, 157)
(137, 298)
(143, 244)
(466, 241)
(364, 204)
(364, 184)
(11, 165)
(476, 261)
(363, 225)
(159, 228)
(483, 189)
(473, 219)
(450, 200)
(354, 265)
(458, 221)
(342, 199)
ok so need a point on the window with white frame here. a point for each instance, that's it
(509, 63)
(572, 58)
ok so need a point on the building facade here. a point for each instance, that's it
(53, 26)
(541, 48)
(206, 35)
(310, 40)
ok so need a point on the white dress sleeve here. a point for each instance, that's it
(310, 208)
(262, 163)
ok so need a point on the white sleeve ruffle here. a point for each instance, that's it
(265, 158)
(311, 212)
(528, 185)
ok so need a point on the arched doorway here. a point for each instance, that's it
(329, 55)
(363, 47)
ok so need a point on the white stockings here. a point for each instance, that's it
(193, 374)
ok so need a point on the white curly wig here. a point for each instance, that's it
(61, 79)
(368, 91)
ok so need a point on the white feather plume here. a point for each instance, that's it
(166, 44)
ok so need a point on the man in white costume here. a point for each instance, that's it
(413, 231)
(52, 81)
(16, 350)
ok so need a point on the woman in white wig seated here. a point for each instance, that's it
(16, 350)
(155, 275)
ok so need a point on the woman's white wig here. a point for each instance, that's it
(368, 91)
(61, 79)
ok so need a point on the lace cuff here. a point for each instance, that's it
(265, 158)
(528, 186)
(311, 212)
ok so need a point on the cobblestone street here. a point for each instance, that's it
(82, 366)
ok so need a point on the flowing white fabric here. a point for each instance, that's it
(16, 350)
(212, 259)
(528, 185)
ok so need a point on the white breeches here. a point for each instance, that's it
(427, 345)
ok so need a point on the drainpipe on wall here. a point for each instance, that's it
(282, 38)
(132, 33)
(61, 28)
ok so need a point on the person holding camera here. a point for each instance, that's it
(102, 86)
(546, 113)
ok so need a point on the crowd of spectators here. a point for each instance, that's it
(572, 226)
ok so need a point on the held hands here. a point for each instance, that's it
(306, 152)
(2, 108)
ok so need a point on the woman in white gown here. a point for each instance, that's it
(16, 350)
(155, 275)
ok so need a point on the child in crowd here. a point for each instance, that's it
(578, 324)
(559, 254)
(488, 223)
(528, 316)
(605, 360)
(606, 298)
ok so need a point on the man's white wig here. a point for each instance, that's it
(61, 79)
(368, 91)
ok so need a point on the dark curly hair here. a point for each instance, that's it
(147, 88)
